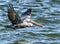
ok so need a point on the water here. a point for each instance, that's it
(46, 12)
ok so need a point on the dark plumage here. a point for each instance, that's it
(13, 16)
(28, 12)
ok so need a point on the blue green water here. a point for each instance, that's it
(46, 12)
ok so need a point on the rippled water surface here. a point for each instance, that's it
(46, 12)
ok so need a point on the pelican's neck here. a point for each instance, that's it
(27, 22)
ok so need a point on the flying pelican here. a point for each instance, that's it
(20, 21)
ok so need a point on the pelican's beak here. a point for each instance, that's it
(37, 24)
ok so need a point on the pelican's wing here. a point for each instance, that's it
(26, 14)
(13, 15)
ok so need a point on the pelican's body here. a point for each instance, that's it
(17, 21)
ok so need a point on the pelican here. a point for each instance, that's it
(20, 21)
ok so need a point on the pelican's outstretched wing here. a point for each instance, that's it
(13, 15)
(26, 14)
